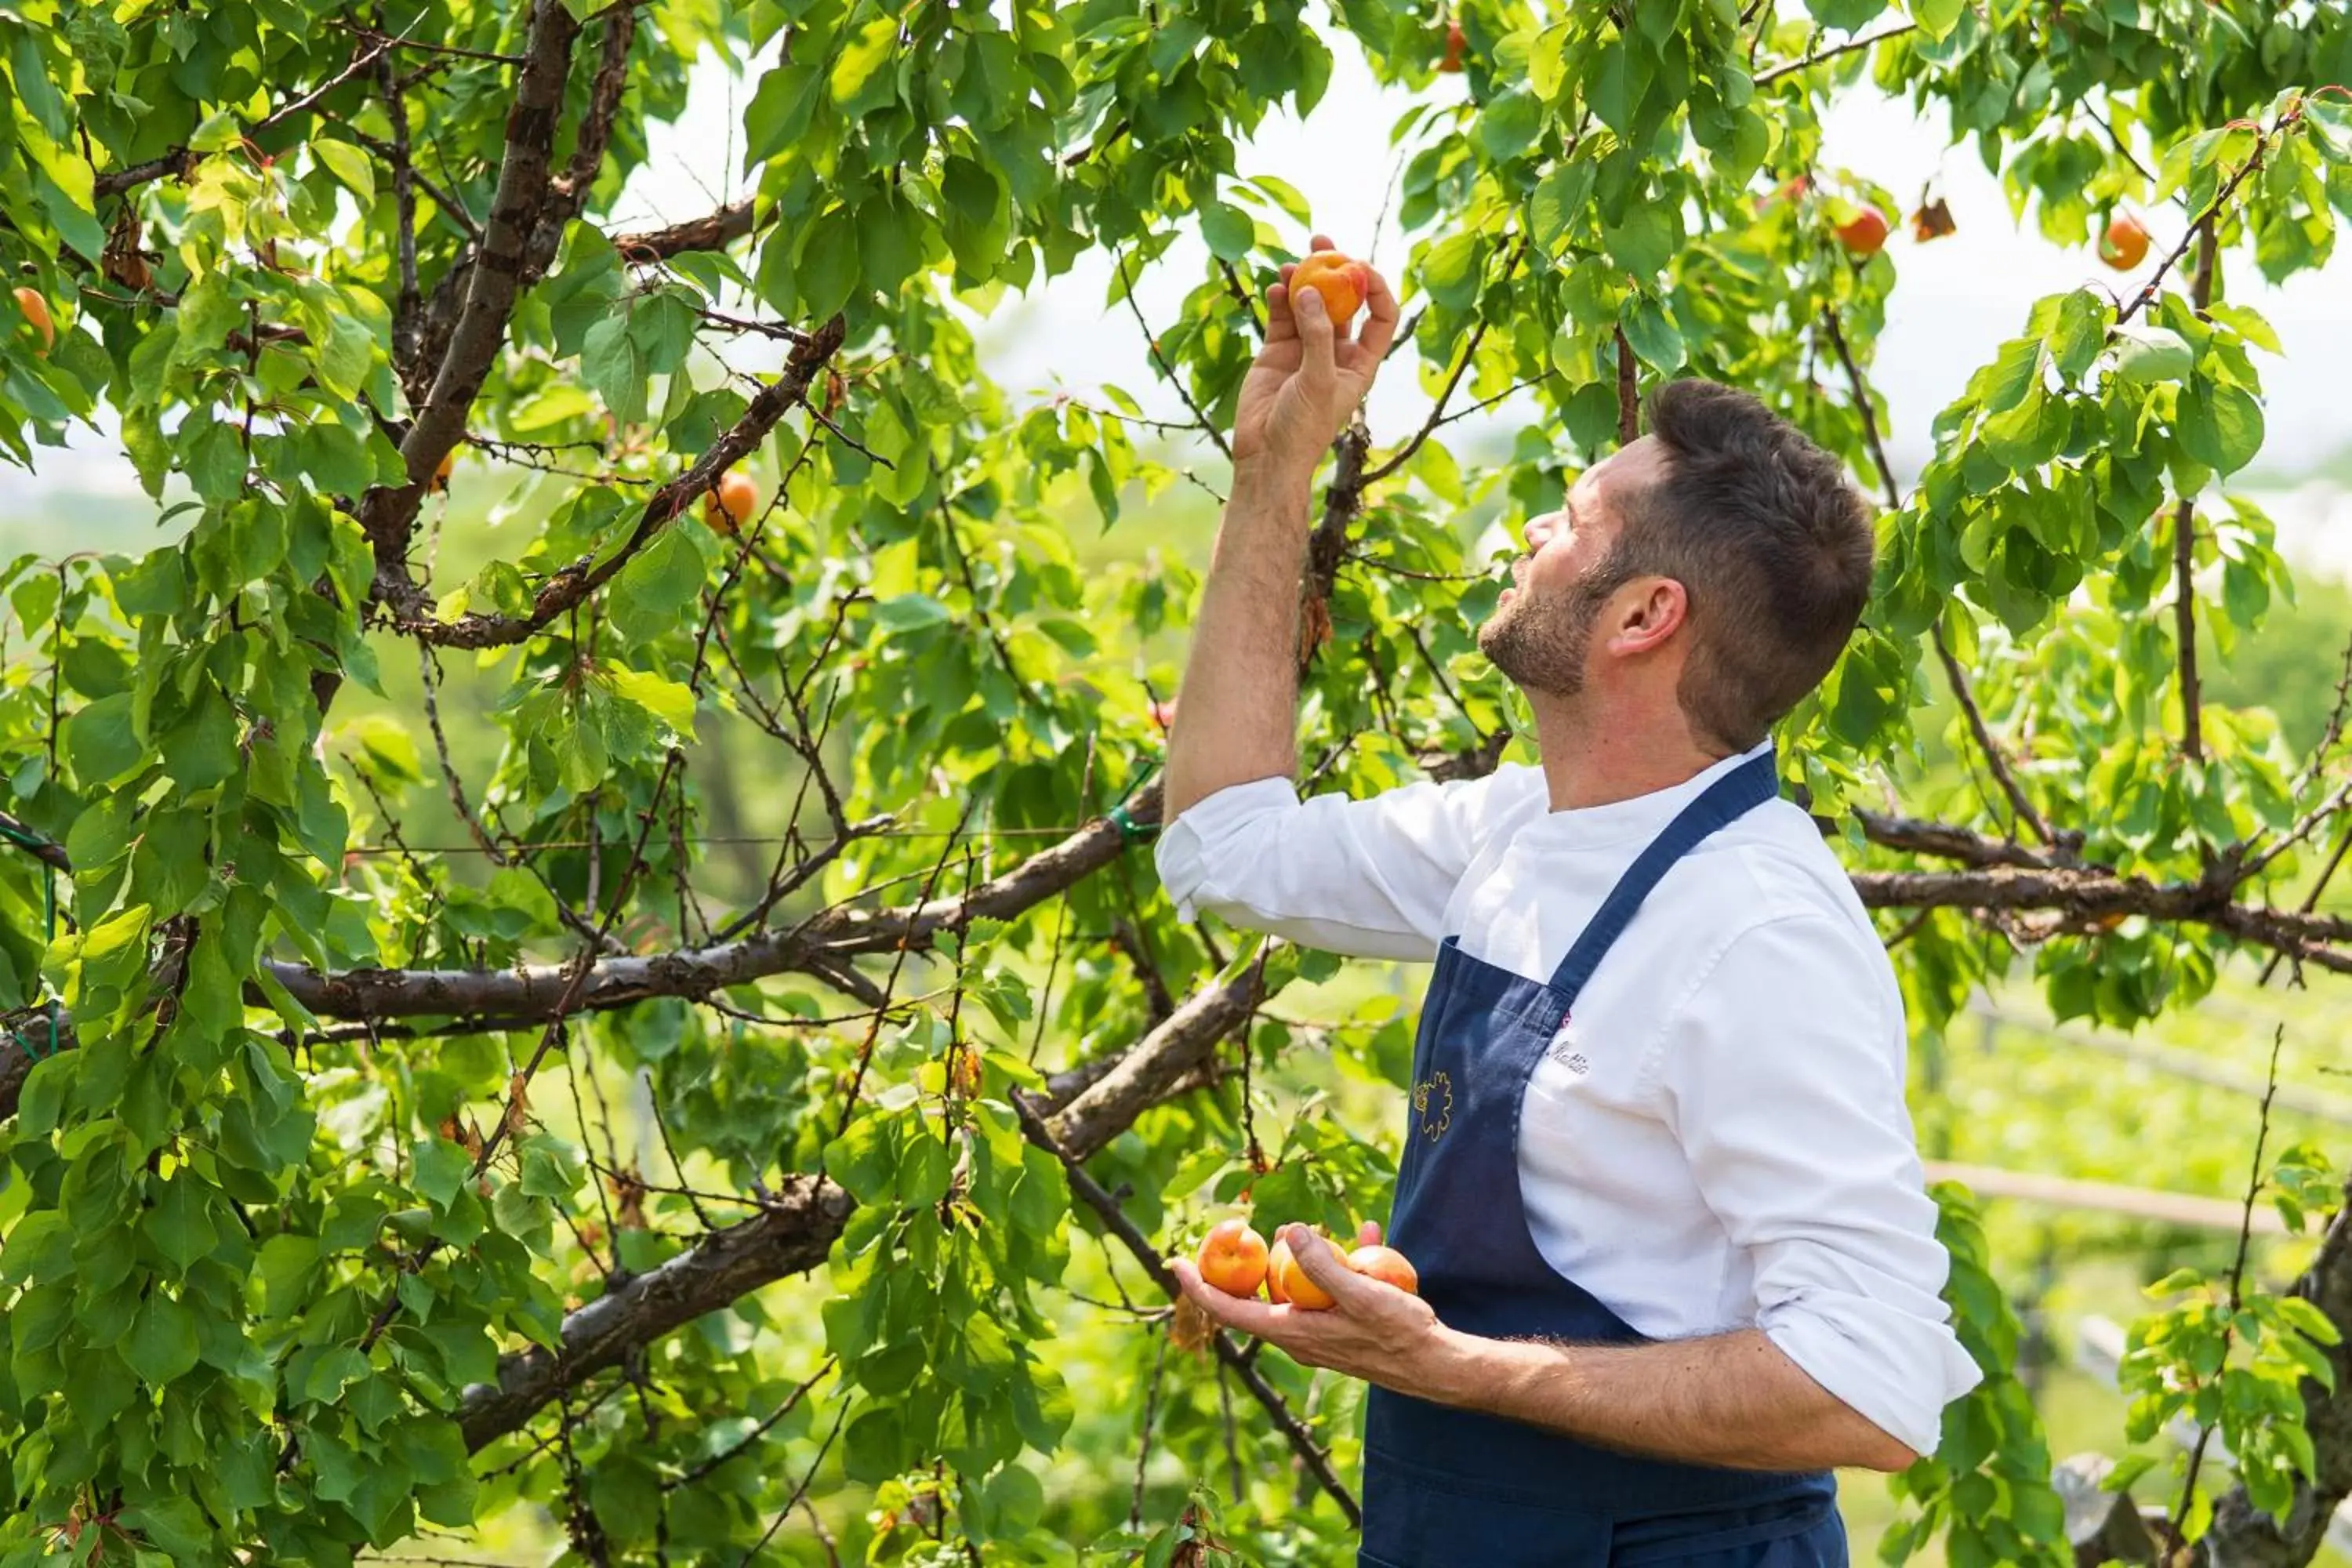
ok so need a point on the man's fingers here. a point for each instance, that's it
(1321, 242)
(1317, 366)
(1243, 1312)
(1279, 326)
(1380, 318)
(1323, 1263)
(1369, 1234)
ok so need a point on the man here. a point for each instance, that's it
(1659, 1178)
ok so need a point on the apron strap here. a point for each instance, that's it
(1728, 799)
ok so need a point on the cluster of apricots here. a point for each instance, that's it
(2123, 247)
(1235, 1260)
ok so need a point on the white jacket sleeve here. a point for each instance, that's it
(1782, 1073)
(1370, 878)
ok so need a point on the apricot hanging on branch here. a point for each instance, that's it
(728, 504)
(37, 311)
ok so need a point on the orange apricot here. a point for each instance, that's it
(37, 311)
(2124, 244)
(1342, 282)
(1866, 234)
(731, 504)
(1386, 1265)
(1287, 1280)
(1232, 1258)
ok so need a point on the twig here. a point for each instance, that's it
(800, 1491)
(1629, 397)
(2237, 1277)
(1199, 418)
(1792, 66)
(1143, 1451)
(792, 1402)
(2184, 534)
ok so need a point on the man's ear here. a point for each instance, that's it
(1648, 613)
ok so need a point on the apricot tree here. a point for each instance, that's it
(316, 1234)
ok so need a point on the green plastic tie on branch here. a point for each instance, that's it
(1129, 830)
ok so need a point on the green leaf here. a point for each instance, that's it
(200, 751)
(1449, 270)
(857, 66)
(669, 701)
(1937, 18)
(647, 597)
(1558, 202)
(2220, 426)
(2075, 338)
(181, 1223)
(1644, 241)
(911, 611)
(2146, 356)
(99, 741)
(1232, 233)
(350, 166)
(616, 366)
(344, 360)
(441, 1169)
(161, 1344)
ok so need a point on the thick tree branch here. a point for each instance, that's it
(713, 231)
(493, 279)
(790, 1235)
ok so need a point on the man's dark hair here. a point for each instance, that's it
(1769, 539)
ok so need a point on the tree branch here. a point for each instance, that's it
(493, 279)
(714, 231)
(573, 583)
(1791, 67)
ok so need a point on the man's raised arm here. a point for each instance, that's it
(1237, 718)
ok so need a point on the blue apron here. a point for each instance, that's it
(1450, 1489)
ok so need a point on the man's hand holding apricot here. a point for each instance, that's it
(1371, 1331)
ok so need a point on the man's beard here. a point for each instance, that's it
(1540, 644)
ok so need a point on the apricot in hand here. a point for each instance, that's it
(1286, 1282)
(1232, 1258)
(1386, 1265)
(1342, 282)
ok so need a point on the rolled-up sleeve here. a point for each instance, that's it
(1782, 1073)
(1370, 878)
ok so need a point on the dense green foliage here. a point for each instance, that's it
(308, 1173)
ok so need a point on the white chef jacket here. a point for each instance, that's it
(1720, 1140)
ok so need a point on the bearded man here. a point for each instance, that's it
(1659, 1179)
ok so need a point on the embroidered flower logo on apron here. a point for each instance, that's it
(1434, 1125)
